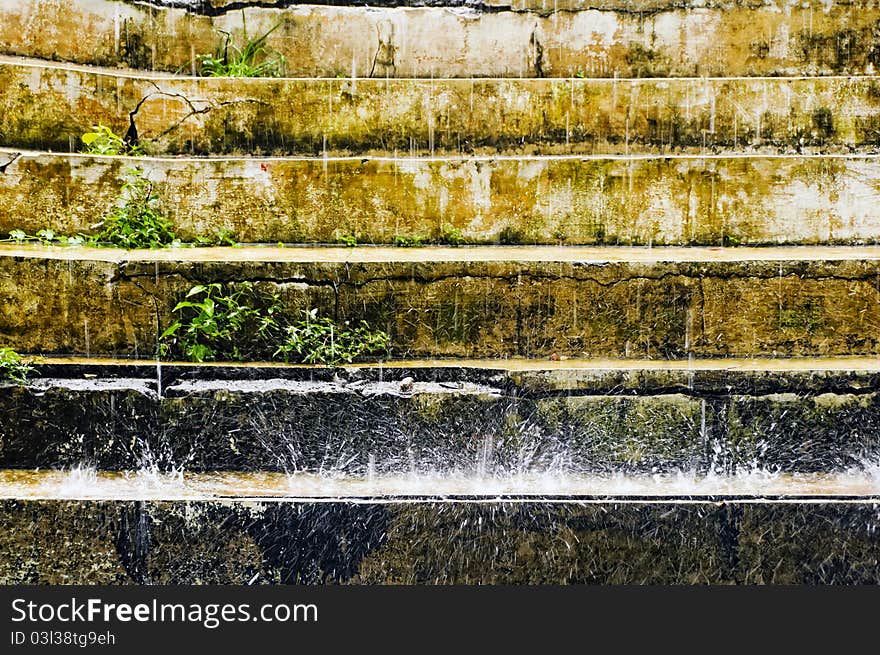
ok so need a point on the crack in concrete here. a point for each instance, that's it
(512, 277)
(132, 136)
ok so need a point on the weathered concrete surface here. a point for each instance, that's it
(471, 302)
(664, 201)
(593, 39)
(457, 419)
(42, 542)
(45, 106)
(216, 7)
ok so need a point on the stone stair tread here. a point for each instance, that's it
(441, 254)
(145, 74)
(842, 363)
(237, 486)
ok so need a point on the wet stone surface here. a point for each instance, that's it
(437, 543)
(422, 421)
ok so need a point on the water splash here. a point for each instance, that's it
(82, 483)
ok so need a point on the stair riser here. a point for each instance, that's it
(115, 542)
(494, 432)
(438, 42)
(471, 309)
(629, 201)
(50, 108)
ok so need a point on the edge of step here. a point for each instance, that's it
(144, 74)
(438, 255)
(77, 364)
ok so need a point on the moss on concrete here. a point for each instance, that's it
(46, 107)
(465, 308)
(606, 39)
(659, 201)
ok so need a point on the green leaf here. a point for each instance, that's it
(171, 330)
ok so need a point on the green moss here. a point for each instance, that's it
(805, 317)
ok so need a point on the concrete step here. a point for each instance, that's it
(529, 38)
(670, 200)
(535, 301)
(49, 106)
(496, 418)
(428, 541)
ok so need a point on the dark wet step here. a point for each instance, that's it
(481, 419)
(485, 302)
(49, 106)
(667, 200)
(462, 38)
(431, 542)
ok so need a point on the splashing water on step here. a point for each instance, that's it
(150, 484)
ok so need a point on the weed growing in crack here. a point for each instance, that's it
(137, 222)
(409, 241)
(241, 323)
(449, 236)
(104, 141)
(12, 367)
(253, 59)
(224, 237)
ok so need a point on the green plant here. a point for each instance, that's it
(104, 141)
(404, 241)
(46, 237)
(213, 323)
(12, 367)
(225, 237)
(222, 237)
(239, 322)
(348, 240)
(137, 222)
(449, 235)
(253, 59)
(318, 340)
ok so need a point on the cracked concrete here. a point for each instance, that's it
(49, 107)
